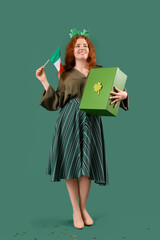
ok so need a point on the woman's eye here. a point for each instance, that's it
(83, 46)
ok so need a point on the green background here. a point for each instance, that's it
(125, 34)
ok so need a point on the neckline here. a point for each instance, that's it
(81, 73)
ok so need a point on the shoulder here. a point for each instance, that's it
(67, 73)
(98, 66)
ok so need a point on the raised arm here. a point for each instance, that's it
(51, 99)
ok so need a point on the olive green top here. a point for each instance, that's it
(71, 85)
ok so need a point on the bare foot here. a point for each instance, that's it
(77, 219)
(86, 218)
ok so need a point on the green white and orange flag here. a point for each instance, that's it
(56, 60)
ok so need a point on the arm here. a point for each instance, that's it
(52, 100)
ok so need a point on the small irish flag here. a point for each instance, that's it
(56, 60)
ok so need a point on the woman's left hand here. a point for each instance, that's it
(119, 96)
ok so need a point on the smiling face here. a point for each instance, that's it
(81, 49)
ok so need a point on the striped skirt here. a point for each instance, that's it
(78, 146)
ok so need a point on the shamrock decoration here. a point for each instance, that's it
(97, 87)
(74, 32)
(85, 33)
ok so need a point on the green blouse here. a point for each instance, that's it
(71, 85)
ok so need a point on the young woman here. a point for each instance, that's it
(77, 152)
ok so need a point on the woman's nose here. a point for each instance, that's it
(81, 48)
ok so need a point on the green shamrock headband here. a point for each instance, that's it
(74, 32)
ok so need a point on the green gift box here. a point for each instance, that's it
(100, 82)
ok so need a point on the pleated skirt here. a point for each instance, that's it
(78, 146)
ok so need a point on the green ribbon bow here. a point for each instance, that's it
(74, 32)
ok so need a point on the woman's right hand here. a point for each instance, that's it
(40, 74)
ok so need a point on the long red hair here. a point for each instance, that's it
(70, 59)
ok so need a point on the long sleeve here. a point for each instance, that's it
(125, 103)
(52, 100)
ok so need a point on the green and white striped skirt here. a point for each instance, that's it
(78, 146)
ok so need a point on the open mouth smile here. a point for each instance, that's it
(82, 52)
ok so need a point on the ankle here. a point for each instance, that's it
(76, 211)
(83, 209)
